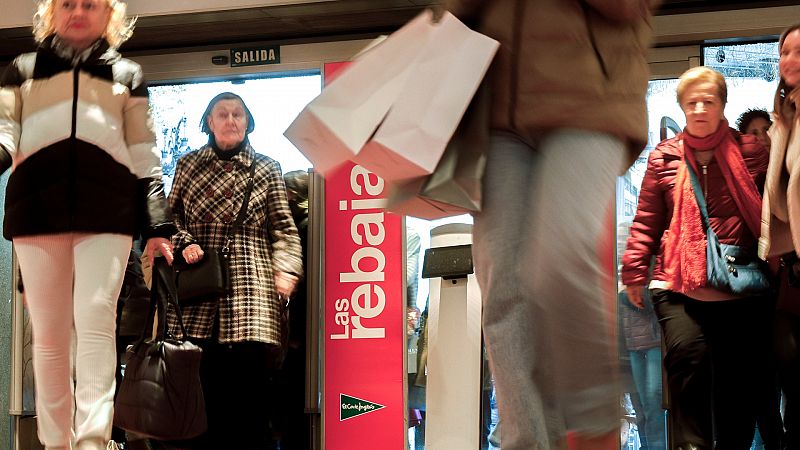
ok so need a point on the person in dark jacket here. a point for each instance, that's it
(568, 113)
(755, 121)
(86, 178)
(714, 339)
(290, 420)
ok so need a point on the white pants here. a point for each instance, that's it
(72, 282)
(537, 247)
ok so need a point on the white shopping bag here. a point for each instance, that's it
(334, 126)
(442, 81)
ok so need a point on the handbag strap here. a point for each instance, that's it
(243, 210)
(698, 194)
(162, 294)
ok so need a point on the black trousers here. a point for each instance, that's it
(292, 423)
(238, 389)
(787, 336)
(717, 362)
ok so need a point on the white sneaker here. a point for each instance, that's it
(112, 446)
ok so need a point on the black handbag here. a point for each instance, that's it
(161, 396)
(730, 268)
(209, 279)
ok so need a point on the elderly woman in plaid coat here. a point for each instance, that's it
(239, 333)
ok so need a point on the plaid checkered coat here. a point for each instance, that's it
(206, 196)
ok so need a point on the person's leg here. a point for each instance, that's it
(758, 441)
(787, 335)
(734, 345)
(536, 255)
(100, 261)
(241, 397)
(292, 421)
(688, 369)
(46, 266)
(494, 421)
(651, 399)
(569, 264)
(499, 232)
(769, 424)
(638, 359)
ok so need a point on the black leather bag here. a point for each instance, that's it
(161, 396)
(209, 279)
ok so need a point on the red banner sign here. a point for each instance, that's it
(364, 311)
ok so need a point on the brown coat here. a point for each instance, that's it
(567, 63)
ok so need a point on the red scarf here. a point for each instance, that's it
(685, 247)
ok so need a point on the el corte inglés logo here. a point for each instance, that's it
(352, 407)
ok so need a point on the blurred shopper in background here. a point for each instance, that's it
(568, 113)
(755, 121)
(780, 232)
(290, 420)
(642, 338)
(716, 341)
(75, 125)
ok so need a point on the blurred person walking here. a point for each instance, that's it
(568, 115)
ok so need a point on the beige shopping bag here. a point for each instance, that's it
(334, 126)
(442, 82)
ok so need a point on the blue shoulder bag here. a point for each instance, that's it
(731, 268)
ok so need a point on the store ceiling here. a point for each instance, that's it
(301, 23)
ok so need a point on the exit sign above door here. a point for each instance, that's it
(255, 56)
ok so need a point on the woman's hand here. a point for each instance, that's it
(636, 295)
(192, 253)
(284, 284)
(158, 246)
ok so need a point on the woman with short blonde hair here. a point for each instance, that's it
(702, 74)
(714, 339)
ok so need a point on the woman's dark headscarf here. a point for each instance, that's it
(251, 124)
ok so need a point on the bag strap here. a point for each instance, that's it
(698, 194)
(243, 210)
(163, 293)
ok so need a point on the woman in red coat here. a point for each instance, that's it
(713, 338)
